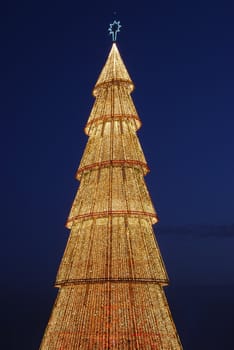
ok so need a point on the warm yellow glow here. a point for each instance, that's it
(111, 316)
(114, 71)
(111, 276)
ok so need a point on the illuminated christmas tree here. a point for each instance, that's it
(111, 276)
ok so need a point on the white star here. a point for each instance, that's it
(115, 30)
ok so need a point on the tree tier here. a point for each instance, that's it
(113, 143)
(114, 70)
(119, 191)
(112, 248)
(124, 316)
(112, 102)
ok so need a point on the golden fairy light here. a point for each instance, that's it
(111, 276)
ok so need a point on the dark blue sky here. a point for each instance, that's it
(180, 56)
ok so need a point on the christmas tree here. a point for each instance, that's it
(111, 276)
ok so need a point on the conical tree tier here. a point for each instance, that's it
(111, 276)
(112, 190)
(113, 103)
(113, 143)
(123, 316)
(114, 71)
(112, 249)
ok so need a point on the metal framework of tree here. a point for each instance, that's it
(111, 276)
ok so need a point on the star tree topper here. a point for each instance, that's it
(114, 28)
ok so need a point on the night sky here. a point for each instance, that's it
(180, 55)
